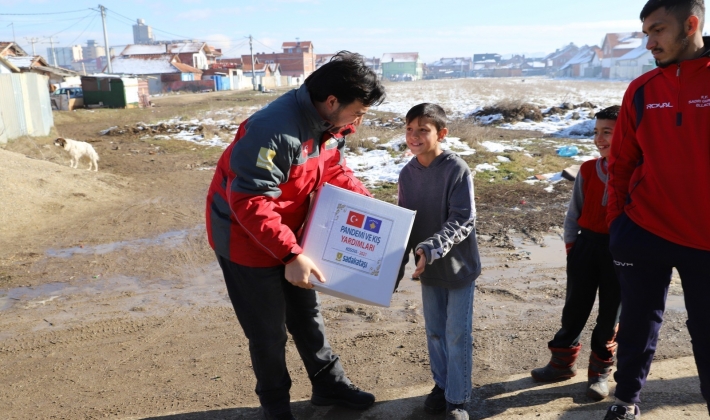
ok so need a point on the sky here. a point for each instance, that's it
(434, 29)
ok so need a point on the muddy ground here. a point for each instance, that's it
(112, 304)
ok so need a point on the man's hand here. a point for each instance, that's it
(421, 264)
(298, 271)
(568, 247)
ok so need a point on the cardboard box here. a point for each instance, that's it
(358, 243)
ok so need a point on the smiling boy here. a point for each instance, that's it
(590, 268)
(438, 185)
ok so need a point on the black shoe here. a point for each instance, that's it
(456, 412)
(343, 395)
(621, 412)
(435, 402)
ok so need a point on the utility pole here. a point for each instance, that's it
(253, 69)
(33, 41)
(108, 51)
(54, 53)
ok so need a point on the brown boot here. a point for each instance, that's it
(598, 377)
(560, 367)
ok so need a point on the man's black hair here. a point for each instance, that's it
(347, 78)
(431, 112)
(610, 113)
(682, 9)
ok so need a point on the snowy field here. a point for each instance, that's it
(461, 98)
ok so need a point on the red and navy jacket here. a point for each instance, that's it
(587, 208)
(260, 194)
(659, 168)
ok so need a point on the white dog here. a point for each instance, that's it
(76, 150)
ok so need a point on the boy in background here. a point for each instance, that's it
(438, 185)
(589, 267)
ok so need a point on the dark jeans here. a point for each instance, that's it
(590, 268)
(644, 263)
(266, 306)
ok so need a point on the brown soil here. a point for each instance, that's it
(113, 305)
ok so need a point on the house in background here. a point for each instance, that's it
(192, 53)
(586, 63)
(165, 72)
(447, 68)
(634, 63)
(402, 66)
(479, 58)
(37, 64)
(268, 75)
(7, 67)
(557, 59)
(616, 45)
(297, 59)
(10, 49)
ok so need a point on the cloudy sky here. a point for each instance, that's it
(435, 29)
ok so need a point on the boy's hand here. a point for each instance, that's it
(568, 247)
(298, 271)
(421, 264)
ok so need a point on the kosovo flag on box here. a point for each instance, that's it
(372, 224)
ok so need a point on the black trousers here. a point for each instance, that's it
(267, 305)
(644, 263)
(590, 267)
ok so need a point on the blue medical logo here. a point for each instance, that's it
(372, 224)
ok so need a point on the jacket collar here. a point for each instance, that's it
(315, 121)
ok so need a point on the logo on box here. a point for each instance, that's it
(339, 256)
(355, 219)
(372, 224)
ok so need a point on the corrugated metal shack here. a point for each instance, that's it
(25, 108)
(115, 92)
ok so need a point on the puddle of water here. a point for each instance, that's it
(552, 254)
(168, 239)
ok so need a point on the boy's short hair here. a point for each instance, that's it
(682, 9)
(347, 77)
(610, 113)
(432, 112)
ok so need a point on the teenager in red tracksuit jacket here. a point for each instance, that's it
(256, 206)
(659, 196)
(590, 269)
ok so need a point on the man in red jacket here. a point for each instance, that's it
(659, 196)
(256, 206)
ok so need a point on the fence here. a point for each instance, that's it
(25, 108)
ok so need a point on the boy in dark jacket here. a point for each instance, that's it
(438, 185)
(589, 267)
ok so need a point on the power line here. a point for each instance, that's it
(73, 24)
(36, 14)
(85, 29)
(264, 45)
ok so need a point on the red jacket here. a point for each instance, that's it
(587, 208)
(659, 168)
(260, 194)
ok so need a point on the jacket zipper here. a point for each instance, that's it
(679, 114)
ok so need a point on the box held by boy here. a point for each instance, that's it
(358, 243)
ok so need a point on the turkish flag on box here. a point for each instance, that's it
(358, 243)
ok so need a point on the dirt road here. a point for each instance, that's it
(111, 305)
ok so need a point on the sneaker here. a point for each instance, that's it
(456, 412)
(621, 412)
(343, 395)
(435, 402)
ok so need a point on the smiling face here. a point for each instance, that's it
(603, 132)
(424, 140)
(668, 37)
